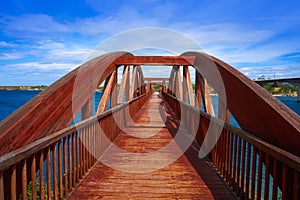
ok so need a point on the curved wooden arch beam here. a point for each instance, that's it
(114, 91)
(254, 108)
(110, 84)
(124, 87)
(52, 109)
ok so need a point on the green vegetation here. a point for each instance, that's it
(38, 87)
(156, 87)
(284, 89)
(38, 191)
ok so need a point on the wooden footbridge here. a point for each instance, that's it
(135, 143)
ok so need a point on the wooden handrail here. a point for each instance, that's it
(16, 156)
(73, 151)
(236, 150)
(291, 160)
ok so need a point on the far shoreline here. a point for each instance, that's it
(29, 88)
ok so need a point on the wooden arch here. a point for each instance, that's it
(52, 109)
(256, 111)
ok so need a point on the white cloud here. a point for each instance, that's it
(74, 55)
(32, 66)
(53, 51)
(62, 45)
(7, 44)
(31, 25)
(11, 56)
(260, 53)
(231, 34)
(271, 71)
(49, 44)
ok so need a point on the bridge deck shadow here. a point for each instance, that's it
(146, 162)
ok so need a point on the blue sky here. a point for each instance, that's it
(40, 41)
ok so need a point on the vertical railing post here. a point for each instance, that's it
(24, 180)
(1, 186)
(54, 164)
(13, 180)
(42, 176)
(65, 166)
(48, 167)
(60, 175)
(33, 177)
(253, 173)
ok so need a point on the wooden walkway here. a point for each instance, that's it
(148, 167)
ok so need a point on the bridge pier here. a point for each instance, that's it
(298, 92)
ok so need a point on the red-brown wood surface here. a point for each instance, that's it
(186, 178)
(256, 111)
(155, 60)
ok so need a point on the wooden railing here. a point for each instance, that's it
(253, 168)
(51, 167)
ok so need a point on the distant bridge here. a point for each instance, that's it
(282, 80)
(142, 145)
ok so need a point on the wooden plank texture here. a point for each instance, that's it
(155, 60)
(188, 177)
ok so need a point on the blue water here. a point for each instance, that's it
(11, 100)
(292, 103)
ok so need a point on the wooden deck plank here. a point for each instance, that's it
(188, 177)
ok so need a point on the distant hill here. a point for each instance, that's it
(38, 87)
(282, 89)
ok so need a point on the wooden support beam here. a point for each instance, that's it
(188, 85)
(106, 93)
(133, 83)
(202, 82)
(178, 82)
(164, 86)
(135, 93)
(156, 79)
(172, 82)
(124, 87)
(127, 85)
(155, 60)
(198, 93)
(114, 89)
(208, 102)
(184, 85)
(148, 86)
(142, 82)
